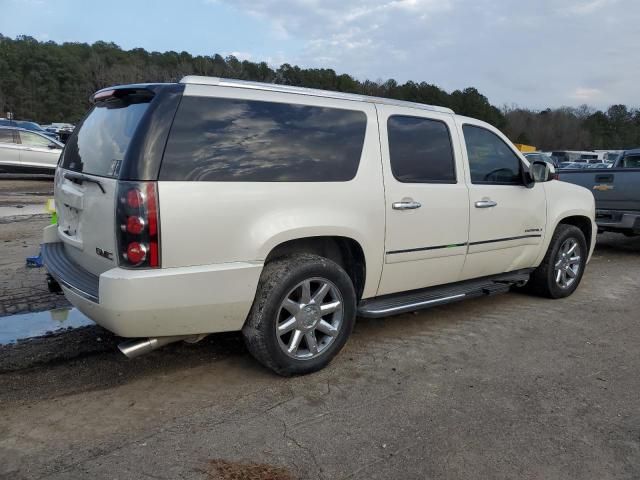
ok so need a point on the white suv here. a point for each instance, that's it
(215, 205)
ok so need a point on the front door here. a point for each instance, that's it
(507, 219)
(427, 201)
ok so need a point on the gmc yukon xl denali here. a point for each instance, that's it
(217, 205)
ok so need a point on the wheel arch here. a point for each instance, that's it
(345, 251)
(578, 219)
(582, 222)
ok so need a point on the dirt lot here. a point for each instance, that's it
(23, 289)
(505, 387)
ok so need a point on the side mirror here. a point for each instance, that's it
(53, 145)
(542, 171)
(527, 176)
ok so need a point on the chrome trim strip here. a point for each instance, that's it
(416, 304)
(505, 239)
(422, 249)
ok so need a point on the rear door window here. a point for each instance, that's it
(491, 161)
(420, 150)
(29, 139)
(235, 140)
(98, 146)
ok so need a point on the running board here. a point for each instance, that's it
(404, 302)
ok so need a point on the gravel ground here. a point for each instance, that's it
(23, 289)
(505, 387)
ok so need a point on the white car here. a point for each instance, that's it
(216, 205)
(25, 151)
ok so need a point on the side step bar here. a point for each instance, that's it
(404, 302)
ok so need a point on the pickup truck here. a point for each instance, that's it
(616, 190)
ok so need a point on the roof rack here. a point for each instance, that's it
(273, 87)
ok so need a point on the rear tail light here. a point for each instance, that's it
(137, 220)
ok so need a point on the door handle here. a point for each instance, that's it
(604, 178)
(486, 204)
(410, 205)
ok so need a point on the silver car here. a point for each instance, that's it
(26, 151)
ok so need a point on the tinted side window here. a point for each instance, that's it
(631, 161)
(33, 140)
(420, 150)
(232, 140)
(6, 136)
(490, 159)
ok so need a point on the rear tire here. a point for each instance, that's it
(302, 315)
(562, 268)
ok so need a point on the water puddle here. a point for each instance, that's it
(28, 325)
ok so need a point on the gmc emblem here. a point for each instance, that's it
(104, 253)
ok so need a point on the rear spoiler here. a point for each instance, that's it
(135, 93)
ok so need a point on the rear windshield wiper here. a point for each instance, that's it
(80, 177)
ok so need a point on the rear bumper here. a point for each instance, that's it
(68, 273)
(618, 221)
(162, 302)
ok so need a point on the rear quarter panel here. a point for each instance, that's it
(206, 223)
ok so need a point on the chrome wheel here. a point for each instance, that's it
(567, 266)
(309, 318)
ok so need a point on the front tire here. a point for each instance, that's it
(562, 268)
(302, 315)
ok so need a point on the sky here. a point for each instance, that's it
(530, 53)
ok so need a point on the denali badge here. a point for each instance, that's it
(104, 253)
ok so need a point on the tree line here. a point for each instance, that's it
(50, 82)
(582, 128)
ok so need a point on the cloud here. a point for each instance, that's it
(533, 53)
(241, 55)
(588, 7)
(586, 94)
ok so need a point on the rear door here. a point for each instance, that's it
(9, 150)
(617, 189)
(38, 150)
(507, 219)
(86, 182)
(427, 200)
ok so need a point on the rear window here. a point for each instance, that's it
(631, 161)
(233, 140)
(100, 143)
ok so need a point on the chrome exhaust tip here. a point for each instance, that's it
(141, 346)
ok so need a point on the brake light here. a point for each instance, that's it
(135, 225)
(136, 252)
(137, 217)
(103, 94)
(134, 198)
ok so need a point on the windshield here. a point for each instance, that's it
(100, 143)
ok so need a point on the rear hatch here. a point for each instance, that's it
(87, 178)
